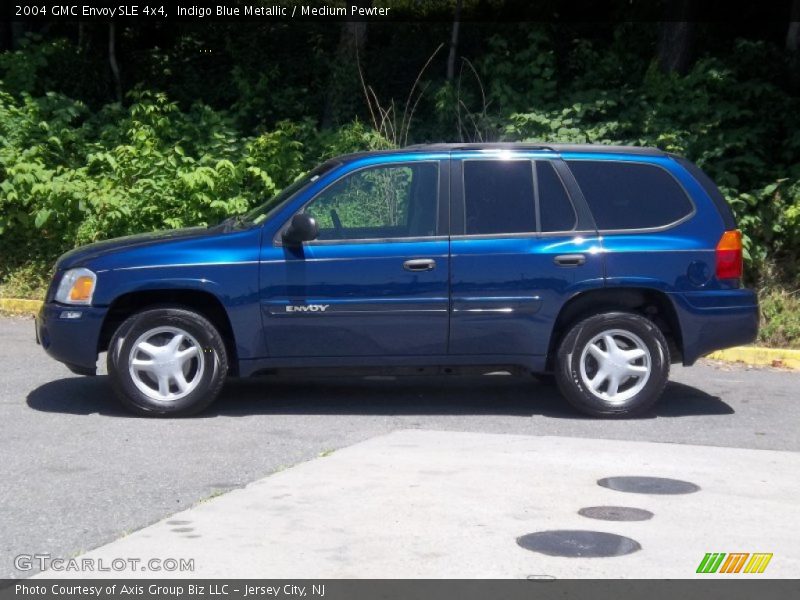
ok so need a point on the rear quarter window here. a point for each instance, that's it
(627, 195)
(712, 190)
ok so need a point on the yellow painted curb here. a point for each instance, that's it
(20, 306)
(754, 355)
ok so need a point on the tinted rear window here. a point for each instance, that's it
(555, 208)
(712, 190)
(498, 196)
(630, 195)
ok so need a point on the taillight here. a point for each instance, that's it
(729, 255)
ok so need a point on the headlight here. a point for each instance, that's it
(76, 287)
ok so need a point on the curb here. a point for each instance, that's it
(751, 355)
(754, 355)
(20, 306)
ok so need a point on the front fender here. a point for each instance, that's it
(233, 285)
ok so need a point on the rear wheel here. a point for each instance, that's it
(167, 362)
(613, 364)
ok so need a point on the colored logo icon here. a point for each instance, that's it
(735, 562)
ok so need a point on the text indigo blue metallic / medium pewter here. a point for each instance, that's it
(600, 264)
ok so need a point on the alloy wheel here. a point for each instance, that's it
(166, 363)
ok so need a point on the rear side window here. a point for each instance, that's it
(555, 209)
(712, 190)
(630, 195)
(498, 196)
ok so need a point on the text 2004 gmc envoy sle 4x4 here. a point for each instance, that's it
(600, 264)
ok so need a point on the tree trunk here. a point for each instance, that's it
(676, 39)
(17, 33)
(343, 82)
(5, 36)
(793, 34)
(451, 57)
(112, 60)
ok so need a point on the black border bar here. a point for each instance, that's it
(538, 587)
(288, 11)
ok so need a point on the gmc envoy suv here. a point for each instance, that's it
(600, 265)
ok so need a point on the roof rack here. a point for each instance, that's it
(588, 148)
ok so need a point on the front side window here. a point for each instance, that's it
(498, 197)
(625, 195)
(391, 201)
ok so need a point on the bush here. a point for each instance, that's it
(780, 318)
(69, 178)
(76, 167)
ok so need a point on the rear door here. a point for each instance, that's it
(520, 247)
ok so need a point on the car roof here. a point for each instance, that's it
(511, 146)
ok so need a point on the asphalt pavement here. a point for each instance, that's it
(79, 472)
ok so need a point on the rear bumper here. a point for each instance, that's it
(715, 319)
(71, 341)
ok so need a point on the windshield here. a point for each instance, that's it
(261, 212)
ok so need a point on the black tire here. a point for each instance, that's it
(209, 374)
(578, 392)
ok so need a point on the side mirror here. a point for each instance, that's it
(303, 228)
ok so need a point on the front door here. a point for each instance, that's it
(375, 281)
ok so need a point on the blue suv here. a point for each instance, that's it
(601, 265)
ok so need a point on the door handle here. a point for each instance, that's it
(569, 260)
(420, 264)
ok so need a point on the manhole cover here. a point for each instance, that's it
(589, 544)
(648, 485)
(615, 513)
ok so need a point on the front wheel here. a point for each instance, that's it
(167, 362)
(613, 364)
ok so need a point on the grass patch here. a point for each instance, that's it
(28, 281)
(780, 318)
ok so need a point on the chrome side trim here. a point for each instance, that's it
(346, 258)
(277, 312)
(506, 309)
(201, 264)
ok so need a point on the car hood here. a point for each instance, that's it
(84, 254)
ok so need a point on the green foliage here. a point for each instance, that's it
(22, 69)
(780, 319)
(212, 127)
(529, 65)
(70, 178)
(28, 280)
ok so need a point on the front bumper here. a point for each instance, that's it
(714, 320)
(72, 341)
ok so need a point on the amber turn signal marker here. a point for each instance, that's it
(731, 240)
(81, 289)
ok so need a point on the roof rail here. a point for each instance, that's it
(585, 148)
